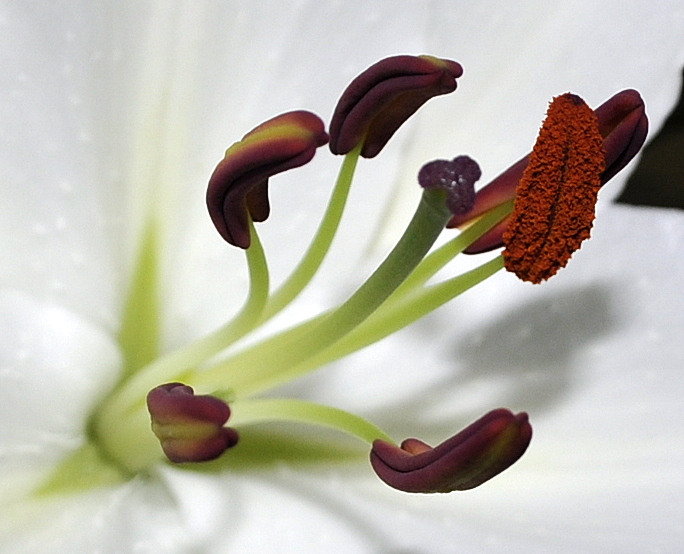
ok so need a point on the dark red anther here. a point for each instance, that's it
(189, 427)
(479, 452)
(380, 99)
(623, 124)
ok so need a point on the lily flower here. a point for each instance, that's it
(111, 119)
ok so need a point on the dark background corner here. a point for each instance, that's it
(658, 180)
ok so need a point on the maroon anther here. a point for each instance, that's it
(380, 99)
(623, 125)
(238, 188)
(189, 427)
(479, 452)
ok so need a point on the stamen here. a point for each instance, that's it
(188, 426)
(238, 188)
(623, 124)
(554, 206)
(380, 99)
(465, 461)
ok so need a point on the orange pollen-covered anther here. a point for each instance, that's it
(556, 197)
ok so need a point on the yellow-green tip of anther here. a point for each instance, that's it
(238, 188)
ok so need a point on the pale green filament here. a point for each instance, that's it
(388, 319)
(321, 242)
(249, 412)
(258, 295)
(172, 366)
(289, 350)
(268, 364)
(397, 315)
(258, 308)
(442, 256)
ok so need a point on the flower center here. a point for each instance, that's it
(553, 212)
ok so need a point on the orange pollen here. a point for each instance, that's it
(556, 197)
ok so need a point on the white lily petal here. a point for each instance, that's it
(204, 507)
(139, 516)
(54, 366)
(290, 514)
(56, 214)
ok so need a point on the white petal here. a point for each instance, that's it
(287, 512)
(137, 517)
(205, 507)
(60, 210)
(54, 366)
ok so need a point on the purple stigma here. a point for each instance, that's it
(456, 177)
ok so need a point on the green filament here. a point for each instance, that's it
(249, 412)
(290, 349)
(321, 242)
(387, 320)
